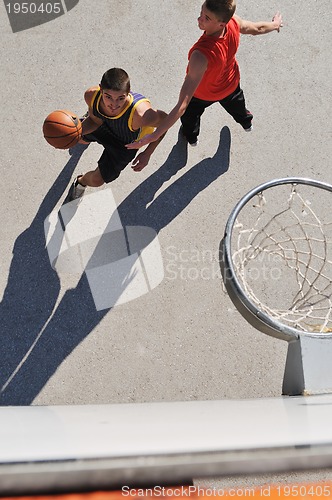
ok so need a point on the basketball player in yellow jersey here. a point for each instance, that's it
(115, 118)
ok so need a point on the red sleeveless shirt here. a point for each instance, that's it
(222, 75)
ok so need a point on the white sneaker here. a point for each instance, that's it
(76, 190)
(192, 144)
(250, 129)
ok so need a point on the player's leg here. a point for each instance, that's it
(191, 119)
(113, 160)
(92, 178)
(82, 141)
(110, 164)
(235, 105)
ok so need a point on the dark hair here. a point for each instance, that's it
(116, 79)
(223, 9)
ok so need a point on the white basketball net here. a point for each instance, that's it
(281, 251)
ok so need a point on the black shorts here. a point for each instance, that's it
(115, 156)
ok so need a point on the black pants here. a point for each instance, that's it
(234, 104)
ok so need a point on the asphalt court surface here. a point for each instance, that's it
(177, 336)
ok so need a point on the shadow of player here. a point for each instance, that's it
(39, 329)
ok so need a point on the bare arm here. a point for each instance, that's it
(196, 69)
(91, 123)
(259, 27)
(153, 118)
(150, 118)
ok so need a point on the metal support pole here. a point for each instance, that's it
(308, 367)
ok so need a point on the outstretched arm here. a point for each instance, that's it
(196, 69)
(151, 118)
(259, 27)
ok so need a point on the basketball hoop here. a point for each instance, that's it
(276, 258)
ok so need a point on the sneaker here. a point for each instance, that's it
(192, 144)
(249, 129)
(76, 190)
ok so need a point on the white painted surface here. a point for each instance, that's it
(80, 432)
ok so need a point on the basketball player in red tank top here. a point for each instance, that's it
(213, 73)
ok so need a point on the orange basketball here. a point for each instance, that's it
(62, 129)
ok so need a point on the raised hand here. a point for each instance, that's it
(278, 20)
(142, 142)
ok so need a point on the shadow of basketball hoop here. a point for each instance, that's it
(122, 263)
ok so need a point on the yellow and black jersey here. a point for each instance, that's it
(120, 126)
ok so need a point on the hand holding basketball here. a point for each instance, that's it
(62, 129)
